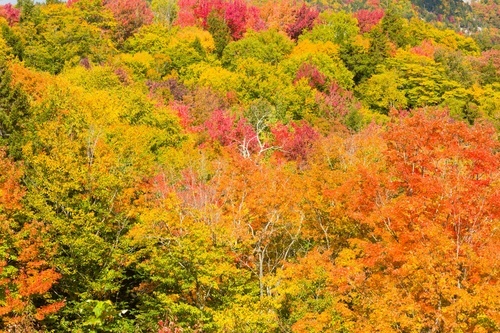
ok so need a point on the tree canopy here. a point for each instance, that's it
(249, 166)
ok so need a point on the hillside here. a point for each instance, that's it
(249, 166)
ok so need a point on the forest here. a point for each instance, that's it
(250, 166)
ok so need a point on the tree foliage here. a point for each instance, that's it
(249, 166)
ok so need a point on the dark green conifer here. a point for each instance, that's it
(220, 32)
(14, 113)
(14, 41)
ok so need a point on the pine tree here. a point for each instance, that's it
(220, 32)
(14, 41)
(14, 112)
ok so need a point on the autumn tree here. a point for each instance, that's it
(279, 15)
(26, 274)
(130, 15)
(367, 19)
(248, 166)
(383, 92)
(433, 225)
(265, 217)
(304, 19)
(10, 13)
(68, 37)
(165, 11)
(312, 74)
(76, 187)
(240, 16)
(294, 141)
(268, 46)
(337, 27)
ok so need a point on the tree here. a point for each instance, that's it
(196, 12)
(94, 13)
(14, 112)
(265, 217)
(13, 41)
(322, 55)
(294, 141)
(379, 48)
(29, 12)
(26, 276)
(431, 226)
(447, 179)
(423, 81)
(279, 15)
(489, 66)
(367, 19)
(231, 132)
(312, 74)
(62, 38)
(362, 56)
(382, 92)
(267, 46)
(220, 31)
(339, 28)
(309, 295)
(394, 26)
(165, 11)
(130, 15)
(239, 16)
(84, 182)
(304, 19)
(10, 13)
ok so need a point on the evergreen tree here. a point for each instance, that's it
(379, 45)
(393, 26)
(14, 112)
(220, 32)
(14, 41)
(29, 12)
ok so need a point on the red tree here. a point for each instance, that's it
(310, 72)
(367, 19)
(426, 49)
(229, 131)
(10, 13)
(295, 140)
(195, 12)
(182, 111)
(338, 102)
(130, 15)
(304, 20)
(185, 16)
(238, 15)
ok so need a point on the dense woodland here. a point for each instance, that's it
(250, 166)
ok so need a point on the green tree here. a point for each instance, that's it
(395, 27)
(382, 92)
(220, 31)
(62, 38)
(268, 46)
(359, 60)
(337, 27)
(13, 41)
(422, 79)
(165, 11)
(14, 112)
(88, 152)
